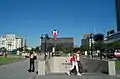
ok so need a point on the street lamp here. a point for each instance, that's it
(45, 37)
(91, 47)
(55, 34)
(99, 38)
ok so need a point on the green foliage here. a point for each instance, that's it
(117, 64)
(59, 48)
(20, 49)
(102, 45)
(115, 44)
(27, 50)
(37, 49)
(84, 48)
(3, 49)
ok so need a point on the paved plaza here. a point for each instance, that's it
(85, 76)
(18, 70)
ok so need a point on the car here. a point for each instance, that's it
(26, 55)
(1, 53)
(117, 54)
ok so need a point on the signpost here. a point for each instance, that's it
(55, 34)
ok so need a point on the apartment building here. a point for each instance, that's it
(11, 42)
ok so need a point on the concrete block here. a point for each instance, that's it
(59, 64)
(111, 66)
(51, 65)
(41, 67)
(62, 65)
(94, 66)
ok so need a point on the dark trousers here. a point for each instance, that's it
(32, 66)
(80, 67)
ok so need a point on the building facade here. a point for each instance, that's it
(11, 42)
(87, 41)
(60, 42)
(113, 37)
(118, 14)
(19, 42)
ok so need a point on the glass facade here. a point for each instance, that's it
(118, 14)
(113, 37)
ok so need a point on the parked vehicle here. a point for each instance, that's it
(117, 53)
(108, 53)
(1, 53)
(26, 55)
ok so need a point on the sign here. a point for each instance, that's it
(66, 64)
(55, 33)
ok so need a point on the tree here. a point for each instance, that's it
(32, 50)
(59, 48)
(20, 49)
(27, 50)
(113, 45)
(84, 48)
(37, 49)
(3, 49)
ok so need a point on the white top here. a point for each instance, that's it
(78, 57)
(32, 56)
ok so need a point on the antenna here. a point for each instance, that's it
(94, 30)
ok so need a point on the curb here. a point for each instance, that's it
(33, 76)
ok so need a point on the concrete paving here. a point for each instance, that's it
(85, 76)
(16, 70)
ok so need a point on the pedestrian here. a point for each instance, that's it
(78, 54)
(46, 54)
(35, 55)
(74, 63)
(5, 54)
(32, 66)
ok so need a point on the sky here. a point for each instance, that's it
(72, 18)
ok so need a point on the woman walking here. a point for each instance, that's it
(73, 60)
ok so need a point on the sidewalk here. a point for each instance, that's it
(85, 76)
(17, 70)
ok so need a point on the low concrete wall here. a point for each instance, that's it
(59, 64)
(41, 67)
(62, 65)
(92, 65)
(98, 66)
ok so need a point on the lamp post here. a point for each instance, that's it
(99, 38)
(55, 34)
(91, 47)
(45, 37)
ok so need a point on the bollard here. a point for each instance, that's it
(111, 66)
(41, 67)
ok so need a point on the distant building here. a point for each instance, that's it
(113, 37)
(19, 42)
(86, 41)
(61, 42)
(11, 42)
